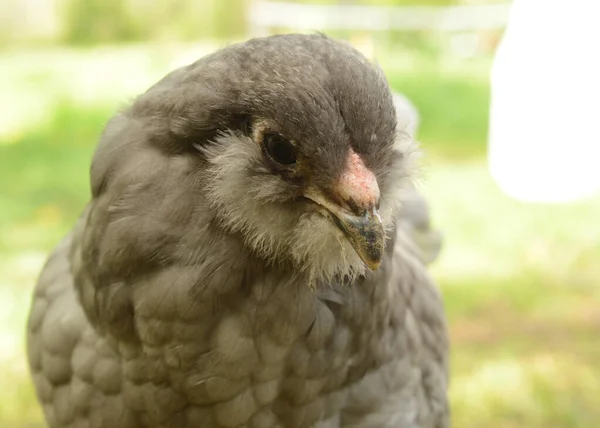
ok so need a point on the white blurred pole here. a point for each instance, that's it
(544, 139)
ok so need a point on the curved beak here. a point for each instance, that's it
(364, 230)
(365, 233)
(354, 196)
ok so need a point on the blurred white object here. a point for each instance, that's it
(544, 140)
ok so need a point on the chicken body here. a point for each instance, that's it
(150, 315)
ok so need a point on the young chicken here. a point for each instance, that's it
(239, 263)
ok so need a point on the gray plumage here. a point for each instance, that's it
(217, 280)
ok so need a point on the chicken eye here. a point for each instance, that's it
(279, 149)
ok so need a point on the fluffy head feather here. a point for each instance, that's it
(187, 156)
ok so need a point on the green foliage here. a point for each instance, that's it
(94, 22)
(456, 122)
(383, 2)
(452, 96)
(52, 164)
(98, 21)
(520, 284)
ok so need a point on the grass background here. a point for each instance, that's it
(520, 281)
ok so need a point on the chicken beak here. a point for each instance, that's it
(351, 205)
(364, 231)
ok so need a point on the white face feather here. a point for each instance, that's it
(249, 199)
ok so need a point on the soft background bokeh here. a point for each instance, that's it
(520, 281)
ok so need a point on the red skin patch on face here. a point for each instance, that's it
(358, 183)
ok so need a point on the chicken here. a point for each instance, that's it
(239, 263)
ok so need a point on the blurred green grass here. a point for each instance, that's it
(520, 281)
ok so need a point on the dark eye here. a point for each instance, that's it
(279, 148)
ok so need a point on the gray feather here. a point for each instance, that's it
(196, 290)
